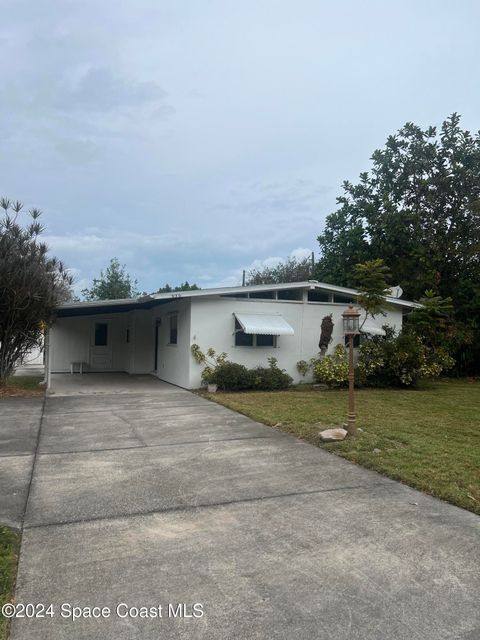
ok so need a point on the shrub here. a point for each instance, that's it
(332, 370)
(303, 367)
(230, 376)
(399, 361)
(270, 378)
(210, 359)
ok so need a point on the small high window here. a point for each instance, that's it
(290, 294)
(343, 299)
(316, 295)
(263, 295)
(173, 328)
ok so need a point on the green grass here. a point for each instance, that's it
(428, 437)
(22, 386)
(9, 545)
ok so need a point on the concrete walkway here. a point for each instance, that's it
(149, 495)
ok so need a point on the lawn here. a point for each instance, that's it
(9, 544)
(428, 437)
(22, 386)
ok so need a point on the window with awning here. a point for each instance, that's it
(372, 329)
(260, 330)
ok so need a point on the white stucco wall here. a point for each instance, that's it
(141, 354)
(174, 360)
(212, 324)
(70, 340)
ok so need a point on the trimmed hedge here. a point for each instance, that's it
(230, 376)
(270, 379)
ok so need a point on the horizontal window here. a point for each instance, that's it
(243, 339)
(318, 296)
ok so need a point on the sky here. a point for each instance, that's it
(194, 139)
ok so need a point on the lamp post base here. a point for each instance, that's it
(351, 424)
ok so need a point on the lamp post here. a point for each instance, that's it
(351, 328)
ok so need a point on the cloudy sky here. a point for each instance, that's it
(191, 139)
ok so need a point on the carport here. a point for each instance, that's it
(133, 336)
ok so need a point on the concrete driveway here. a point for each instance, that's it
(144, 495)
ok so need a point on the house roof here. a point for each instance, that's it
(154, 299)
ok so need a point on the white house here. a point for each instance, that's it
(154, 333)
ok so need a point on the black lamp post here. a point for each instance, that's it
(351, 328)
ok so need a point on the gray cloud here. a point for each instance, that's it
(192, 140)
(99, 89)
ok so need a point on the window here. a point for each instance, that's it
(343, 299)
(265, 341)
(290, 294)
(263, 295)
(101, 334)
(243, 339)
(128, 336)
(173, 328)
(316, 295)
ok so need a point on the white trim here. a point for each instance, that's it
(222, 291)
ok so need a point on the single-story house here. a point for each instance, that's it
(154, 333)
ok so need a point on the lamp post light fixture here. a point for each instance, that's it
(351, 327)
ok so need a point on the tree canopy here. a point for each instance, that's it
(418, 209)
(289, 270)
(32, 283)
(113, 284)
(184, 286)
(371, 281)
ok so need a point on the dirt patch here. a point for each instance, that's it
(10, 390)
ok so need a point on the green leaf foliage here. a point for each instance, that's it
(32, 283)
(332, 370)
(184, 286)
(113, 284)
(371, 281)
(289, 270)
(399, 360)
(418, 209)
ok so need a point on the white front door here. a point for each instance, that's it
(100, 346)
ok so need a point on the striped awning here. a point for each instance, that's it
(263, 324)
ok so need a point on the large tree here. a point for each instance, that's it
(31, 284)
(289, 270)
(418, 209)
(113, 284)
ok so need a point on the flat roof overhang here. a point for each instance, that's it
(97, 309)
